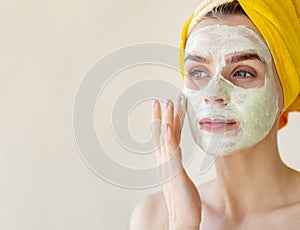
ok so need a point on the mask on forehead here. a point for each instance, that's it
(223, 116)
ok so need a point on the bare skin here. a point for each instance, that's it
(253, 188)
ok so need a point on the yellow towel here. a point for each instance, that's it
(279, 23)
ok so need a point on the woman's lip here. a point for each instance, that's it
(218, 125)
(217, 121)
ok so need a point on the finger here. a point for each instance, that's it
(156, 111)
(156, 124)
(169, 113)
(179, 116)
(167, 118)
(172, 155)
(170, 142)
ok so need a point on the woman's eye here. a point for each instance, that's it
(243, 74)
(197, 74)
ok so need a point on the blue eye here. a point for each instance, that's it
(243, 74)
(197, 74)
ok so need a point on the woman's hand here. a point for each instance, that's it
(181, 195)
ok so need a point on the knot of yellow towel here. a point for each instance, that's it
(279, 24)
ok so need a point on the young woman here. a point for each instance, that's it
(241, 77)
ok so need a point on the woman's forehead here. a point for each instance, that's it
(223, 39)
(230, 20)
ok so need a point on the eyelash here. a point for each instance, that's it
(244, 71)
(190, 74)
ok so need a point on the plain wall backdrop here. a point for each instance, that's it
(46, 49)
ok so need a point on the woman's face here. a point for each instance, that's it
(233, 92)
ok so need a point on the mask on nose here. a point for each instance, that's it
(224, 117)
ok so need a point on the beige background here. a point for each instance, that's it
(46, 48)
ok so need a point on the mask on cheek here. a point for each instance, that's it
(237, 118)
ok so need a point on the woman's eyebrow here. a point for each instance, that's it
(238, 57)
(196, 58)
(243, 57)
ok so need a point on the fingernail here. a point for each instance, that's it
(167, 128)
(154, 104)
(167, 105)
(179, 97)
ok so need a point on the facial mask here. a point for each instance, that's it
(254, 110)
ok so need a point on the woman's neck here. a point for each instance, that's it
(254, 180)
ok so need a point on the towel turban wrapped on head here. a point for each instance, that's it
(279, 24)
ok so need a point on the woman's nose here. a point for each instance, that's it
(221, 100)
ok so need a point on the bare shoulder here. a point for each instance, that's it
(287, 216)
(150, 213)
(294, 205)
(294, 191)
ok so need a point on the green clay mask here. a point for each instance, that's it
(230, 86)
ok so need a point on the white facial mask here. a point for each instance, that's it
(255, 109)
